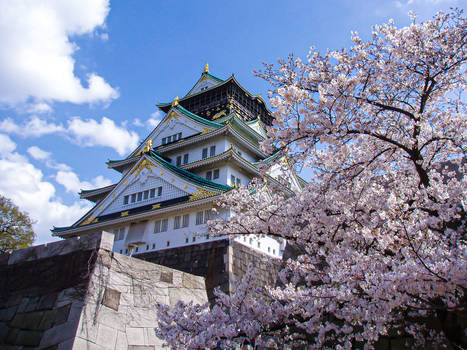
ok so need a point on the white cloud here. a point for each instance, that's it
(34, 127)
(137, 122)
(36, 63)
(24, 184)
(87, 132)
(39, 108)
(38, 154)
(421, 5)
(72, 184)
(6, 145)
(104, 133)
(155, 119)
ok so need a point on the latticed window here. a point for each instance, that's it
(186, 220)
(199, 218)
(177, 222)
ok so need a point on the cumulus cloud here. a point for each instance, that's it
(38, 153)
(155, 119)
(34, 127)
(71, 182)
(24, 184)
(104, 133)
(89, 132)
(36, 63)
(44, 156)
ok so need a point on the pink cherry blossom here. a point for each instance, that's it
(379, 233)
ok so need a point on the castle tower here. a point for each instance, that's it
(207, 143)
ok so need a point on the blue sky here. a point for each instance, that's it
(81, 78)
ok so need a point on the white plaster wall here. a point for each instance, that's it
(195, 151)
(169, 191)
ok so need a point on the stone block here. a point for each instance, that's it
(111, 298)
(11, 336)
(58, 334)
(4, 329)
(33, 304)
(8, 313)
(47, 302)
(106, 241)
(61, 314)
(106, 336)
(135, 336)
(32, 320)
(121, 343)
(166, 276)
(112, 318)
(192, 282)
(17, 320)
(28, 338)
(83, 344)
(48, 319)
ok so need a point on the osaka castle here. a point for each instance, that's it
(207, 143)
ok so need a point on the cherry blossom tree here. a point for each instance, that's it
(380, 230)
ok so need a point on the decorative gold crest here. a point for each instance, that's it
(143, 165)
(202, 193)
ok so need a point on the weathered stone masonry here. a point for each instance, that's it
(78, 294)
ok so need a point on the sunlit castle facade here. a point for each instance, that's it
(207, 143)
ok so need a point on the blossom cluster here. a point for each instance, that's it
(379, 233)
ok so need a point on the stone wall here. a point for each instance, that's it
(219, 262)
(77, 294)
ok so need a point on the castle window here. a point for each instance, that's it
(137, 248)
(186, 220)
(232, 180)
(119, 233)
(212, 151)
(176, 222)
(207, 215)
(160, 226)
(274, 251)
(179, 135)
(147, 246)
(199, 218)
(259, 244)
(251, 240)
(169, 139)
(140, 196)
(194, 239)
(152, 193)
(125, 200)
(164, 140)
(185, 158)
(215, 174)
(164, 225)
(133, 198)
(239, 182)
(121, 251)
(207, 236)
(209, 175)
(157, 226)
(179, 160)
(153, 245)
(168, 243)
(145, 194)
(159, 191)
(205, 153)
(269, 249)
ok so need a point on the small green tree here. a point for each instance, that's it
(15, 227)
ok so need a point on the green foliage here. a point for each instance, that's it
(15, 227)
